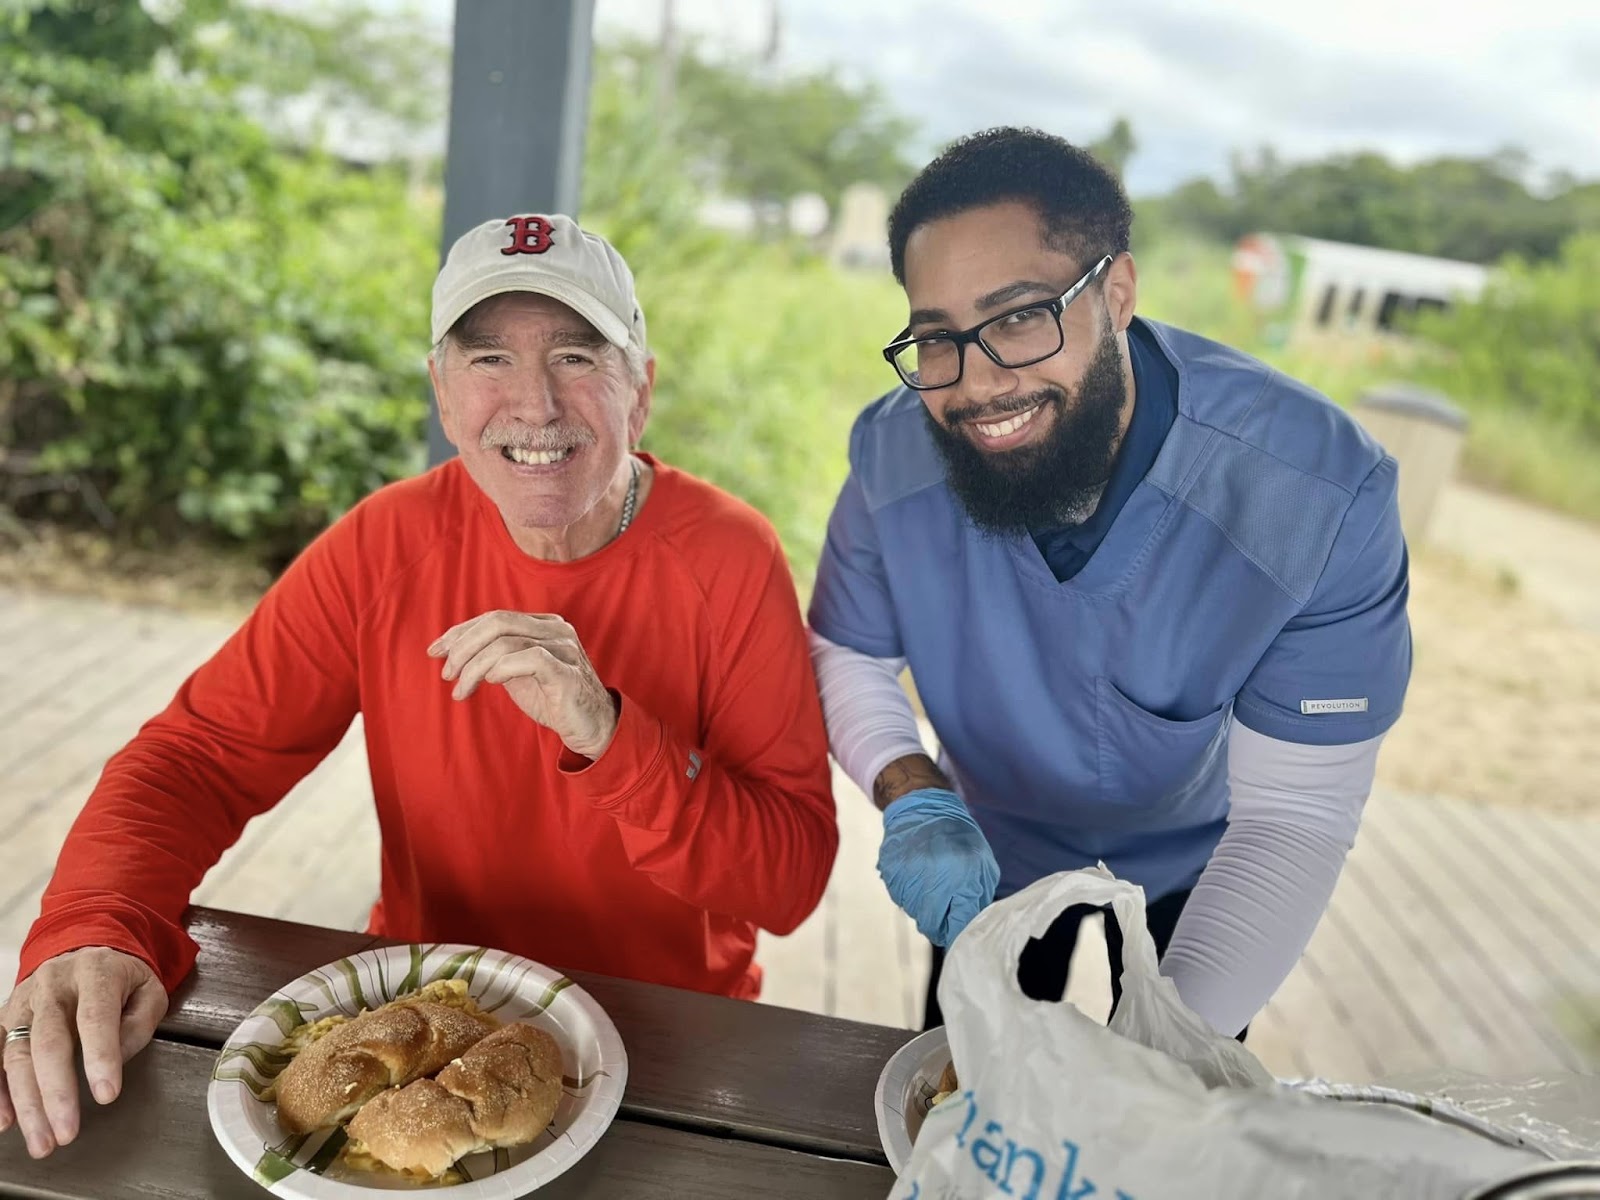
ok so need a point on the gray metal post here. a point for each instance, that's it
(519, 101)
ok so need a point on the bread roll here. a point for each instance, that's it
(405, 1040)
(511, 1080)
(419, 1128)
(501, 1092)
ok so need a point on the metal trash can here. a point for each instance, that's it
(1425, 432)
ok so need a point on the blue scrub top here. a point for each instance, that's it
(1255, 572)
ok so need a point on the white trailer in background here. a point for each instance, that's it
(1320, 288)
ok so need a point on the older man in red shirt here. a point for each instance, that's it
(592, 726)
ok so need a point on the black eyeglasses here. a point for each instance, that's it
(1018, 338)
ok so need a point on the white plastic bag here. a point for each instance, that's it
(1054, 1106)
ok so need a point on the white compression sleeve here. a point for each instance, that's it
(1293, 818)
(870, 719)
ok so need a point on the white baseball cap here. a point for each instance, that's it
(546, 254)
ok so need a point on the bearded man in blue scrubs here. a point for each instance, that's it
(1152, 593)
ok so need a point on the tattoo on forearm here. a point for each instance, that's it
(906, 775)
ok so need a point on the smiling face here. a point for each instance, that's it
(543, 411)
(1024, 447)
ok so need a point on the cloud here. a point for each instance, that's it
(1409, 78)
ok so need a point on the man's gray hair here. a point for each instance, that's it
(635, 356)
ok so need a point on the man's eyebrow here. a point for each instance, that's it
(576, 337)
(478, 339)
(986, 302)
(1014, 291)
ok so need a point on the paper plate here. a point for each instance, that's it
(594, 1066)
(906, 1088)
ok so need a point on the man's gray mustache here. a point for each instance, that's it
(538, 441)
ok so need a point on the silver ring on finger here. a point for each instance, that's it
(19, 1034)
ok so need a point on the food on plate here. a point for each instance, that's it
(351, 1061)
(420, 1082)
(948, 1086)
(452, 992)
(502, 1092)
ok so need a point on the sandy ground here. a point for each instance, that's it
(1504, 705)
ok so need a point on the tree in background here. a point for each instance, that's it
(225, 330)
(197, 319)
(765, 352)
(763, 136)
(347, 54)
(1116, 147)
(1531, 342)
(1465, 208)
(1523, 360)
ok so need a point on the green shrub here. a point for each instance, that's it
(1531, 344)
(214, 331)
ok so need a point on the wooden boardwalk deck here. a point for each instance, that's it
(1460, 936)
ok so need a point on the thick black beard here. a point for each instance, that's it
(1008, 492)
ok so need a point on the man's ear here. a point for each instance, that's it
(1122, 290)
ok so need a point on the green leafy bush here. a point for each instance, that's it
(213, 330)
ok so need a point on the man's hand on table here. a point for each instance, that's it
(540, 662)
(111, 1002)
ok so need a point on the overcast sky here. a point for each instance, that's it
(1412, 78)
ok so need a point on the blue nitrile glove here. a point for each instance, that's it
(936, 862)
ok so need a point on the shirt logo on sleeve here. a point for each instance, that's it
(1312, 707)
(694, 765)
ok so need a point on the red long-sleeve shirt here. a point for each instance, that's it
(709, 815)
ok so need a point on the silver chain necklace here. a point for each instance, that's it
(631, 500)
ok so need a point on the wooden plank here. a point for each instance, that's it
(1512, 892)
(343, 876)
(45, 650)
(1374, 1012)
(156, 1141)
(277, 839)
(96, 691)
(1272, 1039)
(1576, 843)
(1530, 958)
(17, 609)
(1469, 1028)
(1474, 954)
(1549, 864)
(1434, 1016)
(705, 1062)
(794, 967)
(1382, 965)
(42, 797)
(1520, 962)
(315, 855)
(1315, 1029)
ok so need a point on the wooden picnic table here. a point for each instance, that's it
(724, 1098)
